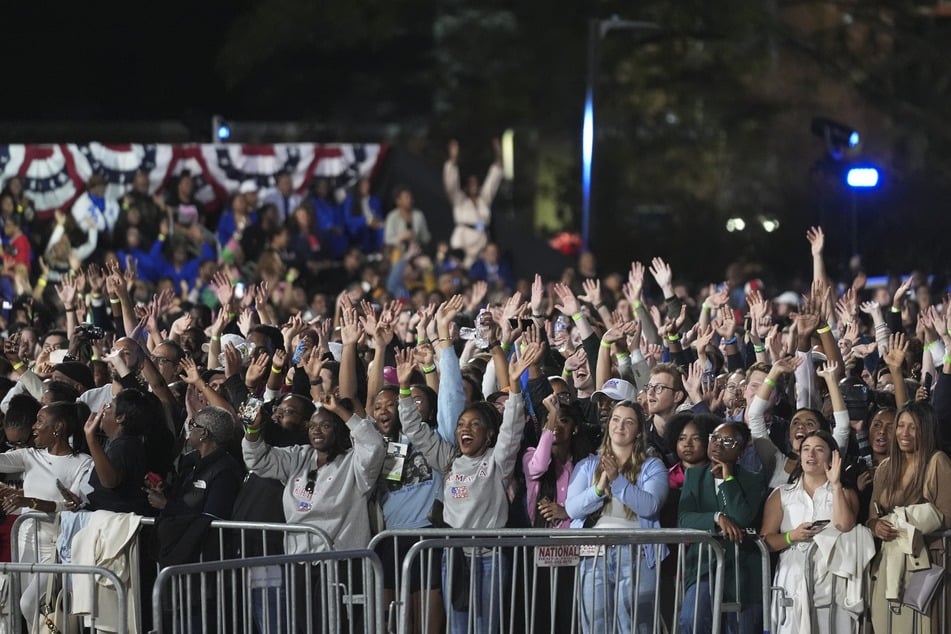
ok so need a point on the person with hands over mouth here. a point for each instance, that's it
(797, 512)
(619, 488)
(725, 498)
(477, 468)
(916, 475)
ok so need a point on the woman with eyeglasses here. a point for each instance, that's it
(208, 478)
(620, 487)
(725, 498)
(781, 465)
(794, 514)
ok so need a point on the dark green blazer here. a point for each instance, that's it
(739, 499)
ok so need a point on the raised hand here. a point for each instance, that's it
(719, 298)
(224, 289)
(897, 347)
(350, 328)
(527, 357)
(817, 240)
(662, 274)
(257, 370)
(477, 295)
(447, 311)
(592, 292)
(827, 371)
(636, 281)
(66, 290)
(568, 303)
(871, 308)
(703, 339)
(725, 323)
(246, 321)
(538, 295)
(190, 368)
(313, 363)
(405, 364)
(901, 291)
(97, 280)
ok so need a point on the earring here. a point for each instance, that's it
(55, 434)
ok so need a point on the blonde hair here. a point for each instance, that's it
(632, 466)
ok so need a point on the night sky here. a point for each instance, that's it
(109, 60)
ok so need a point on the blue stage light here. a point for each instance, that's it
(862, 177)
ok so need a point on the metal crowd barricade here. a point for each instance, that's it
(731, 607)
(817, 614)
(89, 621)
(533, 581)
(232, 539)
(327, 592)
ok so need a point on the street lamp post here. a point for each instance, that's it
(597, 30)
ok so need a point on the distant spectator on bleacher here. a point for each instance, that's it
(330, 229)
(138, 202)
(405, 224)
(236, 218)
(283, 197)
(249, 189)
(266, 234)
(492, 269)
(302, 241)
(22, 204)
(69, 244)
(471, 206)
(92, 209)
(363, 216)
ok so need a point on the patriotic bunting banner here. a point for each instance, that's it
(55, 175)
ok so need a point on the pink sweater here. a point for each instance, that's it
(536, 462)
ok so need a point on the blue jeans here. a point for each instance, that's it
(750, 621)
(608, 592)
(268, 609)
(489, 582)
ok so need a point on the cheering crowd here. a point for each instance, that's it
(146, 348)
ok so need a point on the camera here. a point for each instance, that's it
(89, 331)
(857, 397)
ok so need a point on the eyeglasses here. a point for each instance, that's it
(311, 481)
(193, 425)
(728, 442)
(657, 387)
(286, 411)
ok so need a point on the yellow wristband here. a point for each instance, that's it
(41, 282)
(577, 317)
(824, 330)
(276, 370)
(788, 540)
(18, 365)
(605, 344)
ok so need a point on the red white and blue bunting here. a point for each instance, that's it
(55, 175)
